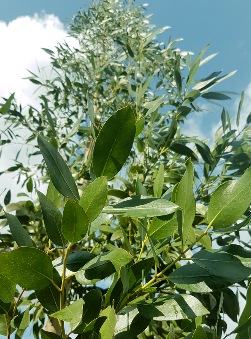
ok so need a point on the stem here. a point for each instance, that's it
(142, 247)
(62, 295)
(154, 279)
(17, 301)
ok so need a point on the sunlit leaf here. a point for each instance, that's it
(229, 201)
(75, 221)
(94, 198)
(140, 208)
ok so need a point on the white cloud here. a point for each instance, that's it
(21, 42)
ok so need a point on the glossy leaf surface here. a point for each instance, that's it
(114, 143)
(59, 172)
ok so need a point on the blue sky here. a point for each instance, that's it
(224, 24)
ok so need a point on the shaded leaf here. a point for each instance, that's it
(114, 143)
(20, 235)
(7, 289)
(215, 96)
(28, 267)
(49, 296)
(7, 198)
(76, 260)
(52, 220)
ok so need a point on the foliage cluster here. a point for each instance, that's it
(140, 232)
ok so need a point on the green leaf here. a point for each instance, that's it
(199, 333)
(162, 227)
(107, 329)
(77, 260)
(176, 307)
(91, 309)
(94, 198)
(75, 222)
(215, 96)
(49, 335)
(21, 321)
(49, 296)
(184, 198)
(158, 182)
(7, 289)
(204, 151)
(118, 257)
(6, 106)
(177, 75)
(54, 195)
(195, 66)
(52, 220)
(104, 265)
(7, 198)
(243, 328)
(239, 108)
(71, 313)
(4, 325)
(229, 201)
(20, 235)
(137, 207)
(114, 143)
(191, 96)
(183, 150)
(98, 271)
(28, 267)
(59, 172)
(213, 268)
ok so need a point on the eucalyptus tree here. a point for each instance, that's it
(139, 233)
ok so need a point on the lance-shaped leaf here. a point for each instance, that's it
(158, 182)
(243, 328)
(214, 269)
(71, 314)
(52, 220)
(94, 198)
(75, 221)
(59, 172)
(181, 306)
(137, 207)
(229, 201)
(20, 235)
(28, 267)
(184, 198)
(114, 143)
